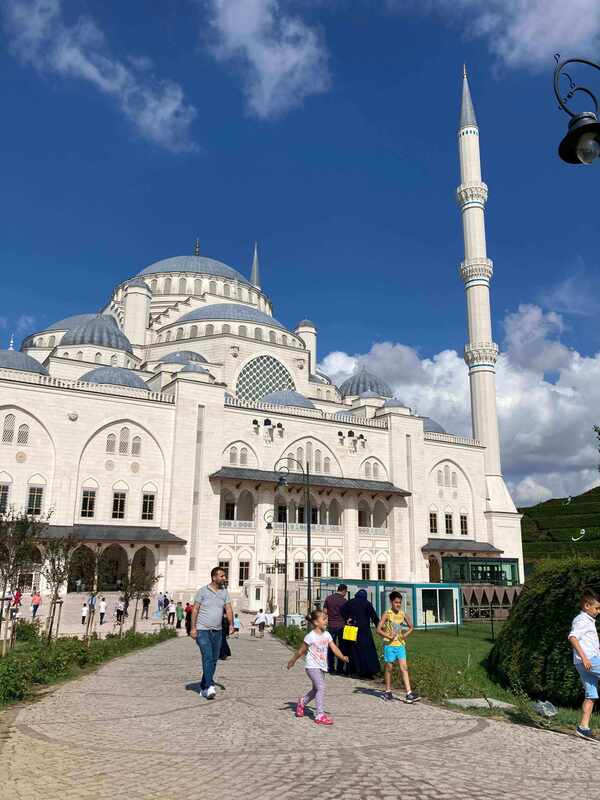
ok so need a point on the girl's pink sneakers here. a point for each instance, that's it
(299, 708)
(322, 719)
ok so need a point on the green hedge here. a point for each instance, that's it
(292, 635)
(34, 662)
(532, 652)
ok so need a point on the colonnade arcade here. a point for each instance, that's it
(115, 563)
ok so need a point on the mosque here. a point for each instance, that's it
(159, 428)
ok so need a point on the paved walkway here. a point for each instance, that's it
(138, 729)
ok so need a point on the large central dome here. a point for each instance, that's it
(233, 311)
(199, 264)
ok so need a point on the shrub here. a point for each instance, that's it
(28, 631)
(292, 635)
(532, 652)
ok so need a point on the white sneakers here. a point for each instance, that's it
(209, 693)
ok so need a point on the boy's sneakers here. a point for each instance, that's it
(210, 693)
(412, 697)
(323, 719)
(585, 733)
(299, 708)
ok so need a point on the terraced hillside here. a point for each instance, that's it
(549, 527)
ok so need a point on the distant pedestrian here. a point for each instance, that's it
(315, 647)
(17, 597)
(261, 620)
(583, 638)
(179, 613)
(145, 606)
(84, 613)
(102, 610)
(207, 616)
(237, 624)
(36, 602)
(335, 624)
(188, 617)
(120, 610)
(159, 602)
(391, 628)
(171, 611)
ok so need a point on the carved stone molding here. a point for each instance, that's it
(472, 193)
(480, 353)
(472, 268)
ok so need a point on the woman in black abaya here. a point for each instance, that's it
(364, 661)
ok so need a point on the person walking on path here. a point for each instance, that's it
(364, 661)
(120, 610)
(159, 603)
(237, 624)
(179, 613)
(315, 648)
(583, 638)
(36, 602)
(84, 612)
(188, 618)
(261, 620)
(102, 610)
(171, 610)
(335, 625)
(145, 606)
(394, 650)
(207, 616)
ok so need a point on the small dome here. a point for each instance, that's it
(367, 395)
(306, 323)
(137, 281)
(432, 426)
(114, 376)
(182, 357)
(70, 322)
(230, 311)
(101, 331)
(198, 264)
(363, 381)
(195, 367)
(13, 359)
(395, 402)
(287, 397)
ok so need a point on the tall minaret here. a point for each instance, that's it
(255, 274)
(476, 270)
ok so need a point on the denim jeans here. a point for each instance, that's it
(209, 643)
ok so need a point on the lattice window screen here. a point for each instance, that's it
(260, 376)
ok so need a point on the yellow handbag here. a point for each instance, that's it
(350, 633)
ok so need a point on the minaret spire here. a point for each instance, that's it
(197, 248)
(255, 274)
(11, 343)
(481, 353)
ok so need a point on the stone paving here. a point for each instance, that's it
(138, 729)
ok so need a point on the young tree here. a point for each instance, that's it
(135, 586)
(56, 566)
(18, 535)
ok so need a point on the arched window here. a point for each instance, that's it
(179, 334)
(65, 355)
(51, 341)
(226, 328)
(168, 336)
(447, 475)
(379, 515)
(242, 330)
(272, 336)
(210, 329)
(233, 455)
(454, 481)
(111, 443)
(243, 456)
(318, 462)
(79, 355)
(153, 285)
(8, 432)
(182, 286)
(252, 298)
(327, 394)
(260, 376)
(367, 470)
(167, 286)
(283, 339)
(23, 434)
(300, 456)
(290, 462)
(326, 465)
(309, 453)
(212, 287)
(197, 286)
(193, 331)
(124, 441)
(376, 470)
(335, 513)
(113, 361)
(364, 515)
(258, 334)
(98, 358)
(227, 290)
(136, 446)
(40, 342)
(440, 478)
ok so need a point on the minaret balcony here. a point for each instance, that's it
(476, 270)
(481, 354)
(469, 194)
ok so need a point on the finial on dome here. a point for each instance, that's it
(197, 248)
(255, 274)
(11, 343)
(467, 111)
(464, 70)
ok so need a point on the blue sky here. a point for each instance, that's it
(327, 131)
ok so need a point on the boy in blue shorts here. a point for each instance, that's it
(586, 657)
(391, 627)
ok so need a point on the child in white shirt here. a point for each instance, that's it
(586, 657)
(315, 647)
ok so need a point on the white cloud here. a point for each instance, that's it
(548, 444)
(39, 36)
(281, 58)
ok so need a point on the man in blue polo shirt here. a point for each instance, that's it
(207, 619)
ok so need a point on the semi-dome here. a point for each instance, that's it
(70, 322)
(198, 264)
(101, 331)
(13, 359)
(287, 397)
(230, 311)
(305, 323)
(195, 367)
(114, 376)
(432, 426)
(182, 357)
(363, 381)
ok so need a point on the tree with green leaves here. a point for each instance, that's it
(138, 583)
(56, 566)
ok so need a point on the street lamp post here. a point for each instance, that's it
(269, 519)
(283, 466)
(581, 144)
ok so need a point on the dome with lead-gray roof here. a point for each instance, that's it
(197, 264)
(431, 426)
(101, 331)
(287, 397)
(195, 367)
(230, 311)
(13, 359)
(70, 322)
(364, 381)
(114, 376)
(395, 402)
(182, 357)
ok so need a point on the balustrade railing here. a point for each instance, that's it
(450, 438)
(314, 413)
(237, 523)
(370, 531)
